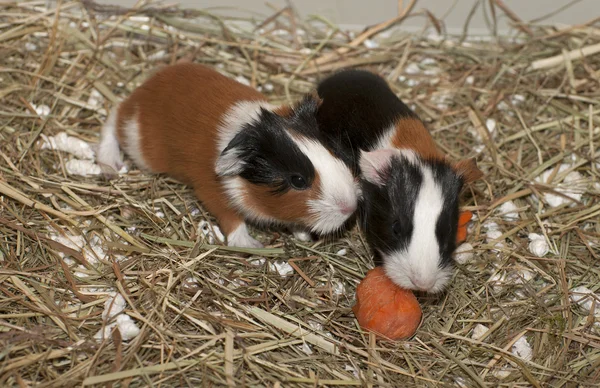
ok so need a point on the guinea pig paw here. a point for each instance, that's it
(302, 235)
(242, 241)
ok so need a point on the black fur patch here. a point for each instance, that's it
(270, 156)
(357, 108)
(447, 223)
(394, 202)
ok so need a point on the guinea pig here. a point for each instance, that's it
(246, 159)
(410, 209)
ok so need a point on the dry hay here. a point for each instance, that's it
(214, 317)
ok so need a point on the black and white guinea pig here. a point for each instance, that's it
(410, 209)
(244, 158)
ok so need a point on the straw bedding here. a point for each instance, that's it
(194, 314)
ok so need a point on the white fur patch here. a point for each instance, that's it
(236, 117)
(132, 142)
(234, 189)
(108, 151)
(301, 234)
(385, 140)
(242, 239)
(229, 164)
(233, 121)
(417, 267)
(372, 163)
(339, 191)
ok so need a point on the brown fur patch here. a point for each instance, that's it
(412, 134)
(180, 108)
(288, 110)
(290, 206)
(468, 170)
(284, 111)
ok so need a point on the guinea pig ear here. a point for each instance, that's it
(308, 106)
(375, 165)
(231, 161)
(467, 169)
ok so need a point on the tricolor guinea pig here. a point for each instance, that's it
(245, 158)
(411, 191)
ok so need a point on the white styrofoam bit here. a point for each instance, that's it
(68, 261)
(493, 236)
(432, 71)
(461, 382)
(516, 99)
(412, 68)
(490, 124)
(508, 211)
(95, 100)
(80, 272)
(159, 214)
(127, 326)
(104, 333)
(470, 80)
(402, 78)
(190, 283)
(42, 110)
(464, 253)
(584, 297)
(342, 252)
(353, 370)
(523, 276)
(428, 61)
(283, 268)
(306, 349)
(315, 325)
(491, 225)
(92, 253)
(497, 280)
(257, 261)
(82, 167)
(370, 44)
(114, 305)
(243, 80)
(410, 83)
(211, 232)
(479, 331)
(70, 144)
(538, 245)
(268, 87)
(30, 46)
(157, 56)
(501, 373)
(73, 242)
(338, 287)
(573, 186)
(522, 349)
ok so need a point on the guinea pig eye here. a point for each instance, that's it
(396, 228)
(298, 182)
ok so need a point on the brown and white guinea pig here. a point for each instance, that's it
(244, 158)
(410, 209)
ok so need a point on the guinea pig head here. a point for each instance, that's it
(410, 214)
(276, 168)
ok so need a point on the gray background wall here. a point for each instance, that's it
(358, 13)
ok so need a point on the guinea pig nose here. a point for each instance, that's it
(421, 284)
(347, 208)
